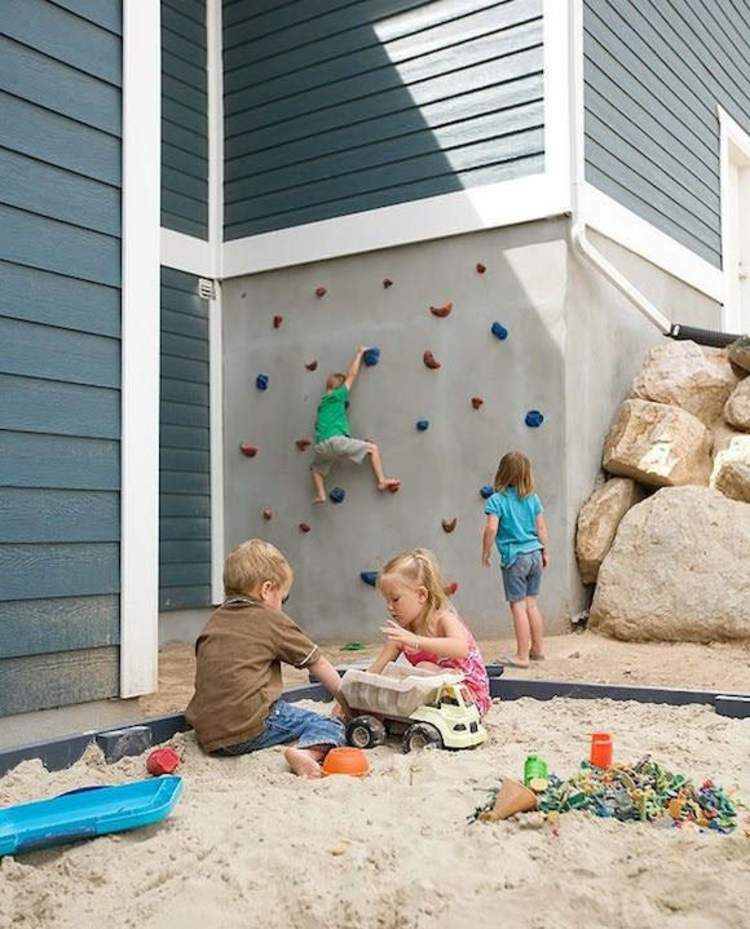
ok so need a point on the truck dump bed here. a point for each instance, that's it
(398, 691)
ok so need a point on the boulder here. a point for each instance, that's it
(598, 521)
(683, 374)
(731, 473)
(658, 445)
(739, 352)
(722, 436)
(677, 570)
(737, 409)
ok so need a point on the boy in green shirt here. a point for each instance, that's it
(333, 439)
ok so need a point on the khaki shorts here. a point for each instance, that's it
(329, 451)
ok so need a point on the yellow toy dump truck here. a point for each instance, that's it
(427, 710)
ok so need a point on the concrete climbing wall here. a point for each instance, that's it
(443, 468)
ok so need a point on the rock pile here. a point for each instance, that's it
(666, 537)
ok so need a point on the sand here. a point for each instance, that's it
(251, 845)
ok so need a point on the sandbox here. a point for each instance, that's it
(251, 845)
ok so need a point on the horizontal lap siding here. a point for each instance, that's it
(654, 73)
(184, 149)
(184, 475)
(60, 216)
(333, 108)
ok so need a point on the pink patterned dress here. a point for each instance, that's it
(472, 667)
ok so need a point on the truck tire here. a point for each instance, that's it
(421, 735)
(365, 732)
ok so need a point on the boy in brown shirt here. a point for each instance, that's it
(236, 707)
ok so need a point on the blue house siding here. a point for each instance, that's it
(60, 152)
(333, 108)
(654, 73)
(184, 101)
(184, 476)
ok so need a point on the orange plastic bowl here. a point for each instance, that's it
(351, 761)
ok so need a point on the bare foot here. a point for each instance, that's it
(390, 483)
(319, 499)
(302, 762)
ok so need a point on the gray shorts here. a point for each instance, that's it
(329, 451)
(524, 577)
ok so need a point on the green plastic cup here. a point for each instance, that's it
(534, 767)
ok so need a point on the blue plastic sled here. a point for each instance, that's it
(86, 813)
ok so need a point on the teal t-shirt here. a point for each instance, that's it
(516, 534)
(331, 417)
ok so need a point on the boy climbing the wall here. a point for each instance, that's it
(333, 439)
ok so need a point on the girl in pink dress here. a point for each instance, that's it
(425, 626)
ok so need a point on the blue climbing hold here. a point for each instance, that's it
(261, 381)
(499, 331)
(423, 425)
(486, 492)
(534, 419)
(369, 577)
(371, 357)
(337, 495)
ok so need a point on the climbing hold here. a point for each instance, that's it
(352, 647)
(486, 492)
(371, 357)
(303, 444)
(430, 360)
(311, 365)
(534, 419)
(423, 425)
(499, 331)
(250, 451)
(277, 321)
(476, 402)
(320, 292)
(394, 487)
(441, 311)
(451, 588)
(387, 282)
(303, 527)
(480, 268)
(261, 381)
(449, 524)
(337, 495)
(267, 515)
(369, 577)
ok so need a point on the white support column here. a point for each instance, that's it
(558, 155)
(215, 239)
(139, 478)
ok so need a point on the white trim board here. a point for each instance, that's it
(507, 203)
(734, 153)
(139, 439)
(605, 215)
(186, 253)
(558, 154)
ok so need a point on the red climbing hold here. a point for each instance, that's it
(441, 311)
(430, 360)
(476, 402)
(311, 365)
(267, 515)
(480, 268)
(320, 292)
(303, 444)
(449, 524)
(250, 451)
(451, 588)
(387, 282)
(277, 321)
(303, 527)
(394, 487)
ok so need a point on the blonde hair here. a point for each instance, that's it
(252, 563)
(335, 380)
(419, 568)
(514, 470)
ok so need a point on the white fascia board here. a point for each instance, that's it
(503, 204)
(186, 253)
(139, 440)
(608, 217)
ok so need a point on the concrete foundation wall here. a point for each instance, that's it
(572, 349)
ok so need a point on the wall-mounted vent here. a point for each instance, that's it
(206, 288)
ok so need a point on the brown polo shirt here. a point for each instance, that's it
(238, 670)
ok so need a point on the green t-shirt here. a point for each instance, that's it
(331, 418)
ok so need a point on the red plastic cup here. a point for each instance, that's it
(601, 750)
(162, 761)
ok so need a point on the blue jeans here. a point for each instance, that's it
(287, 722)
(524, 577)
